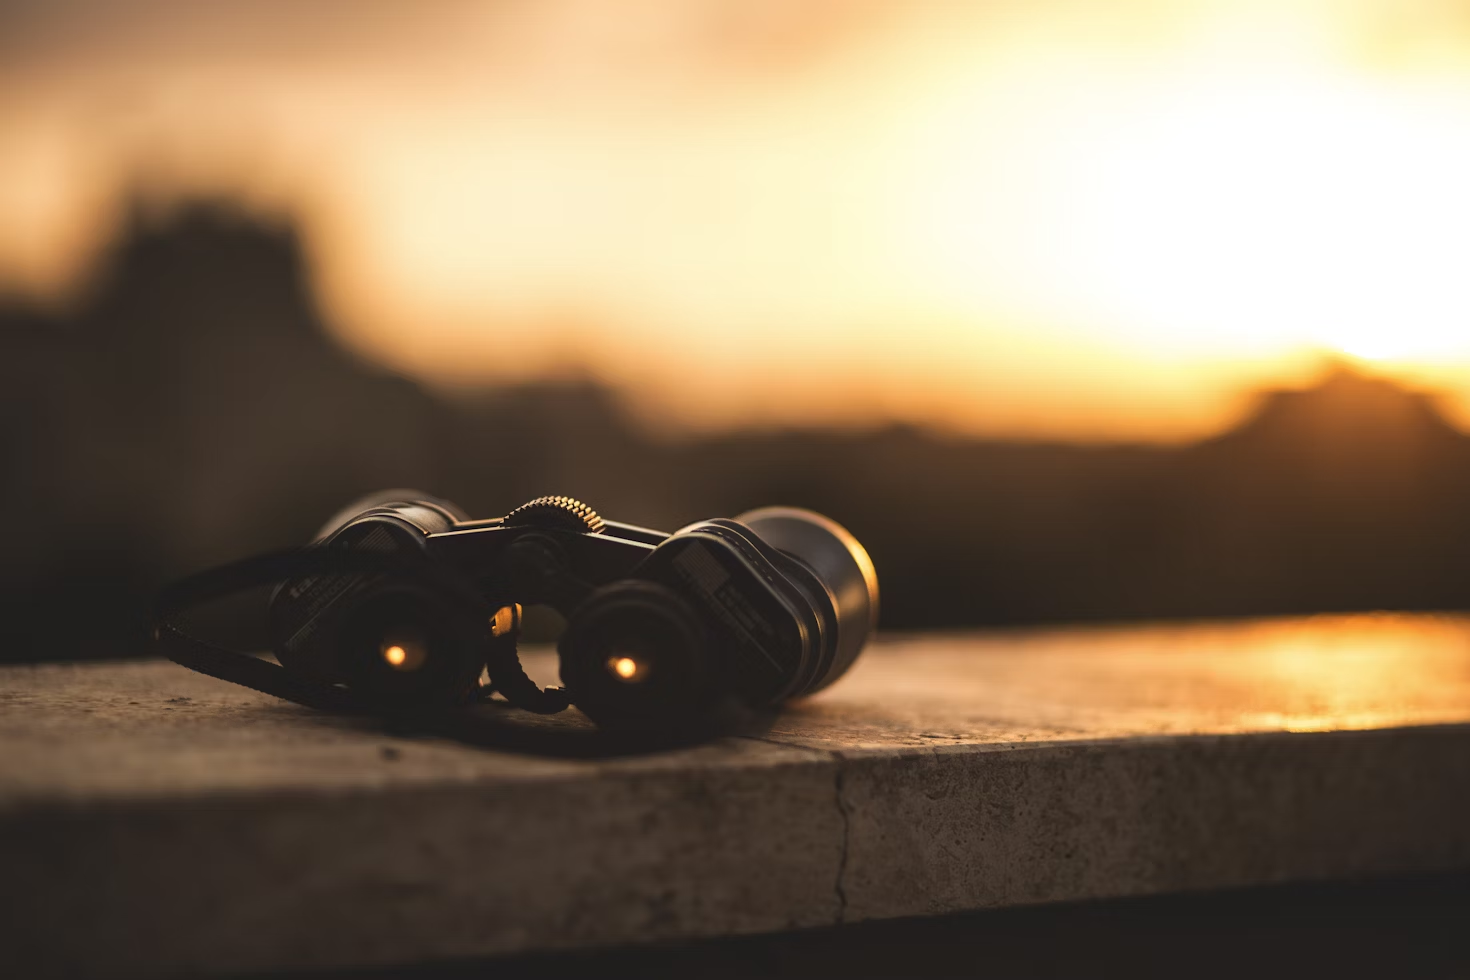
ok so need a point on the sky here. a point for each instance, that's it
(1062, 219)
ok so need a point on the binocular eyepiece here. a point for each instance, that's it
(404, 604)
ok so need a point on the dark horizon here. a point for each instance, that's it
(191, 408)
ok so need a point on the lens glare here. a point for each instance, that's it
(627, 668)
(404, 650)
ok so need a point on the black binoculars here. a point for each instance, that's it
(404, 604)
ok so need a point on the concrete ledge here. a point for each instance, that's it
(159, 822)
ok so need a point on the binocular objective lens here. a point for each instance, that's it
(402, 646)
(633, 657)
(842, 565)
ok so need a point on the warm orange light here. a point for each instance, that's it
(1087, 221)
(625, 667)
(404, 651)
(505, 620)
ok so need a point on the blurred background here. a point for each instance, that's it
(1069, 310)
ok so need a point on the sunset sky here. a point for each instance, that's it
(1077, 219)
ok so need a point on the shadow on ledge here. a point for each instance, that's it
(1406, 927)
(568, 734)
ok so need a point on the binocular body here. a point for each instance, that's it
(407, 603)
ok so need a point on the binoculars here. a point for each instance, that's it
(404, 604)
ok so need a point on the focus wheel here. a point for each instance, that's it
(556, 513)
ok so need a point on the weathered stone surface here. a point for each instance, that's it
(156, 821)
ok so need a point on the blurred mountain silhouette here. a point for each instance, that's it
(191, 409)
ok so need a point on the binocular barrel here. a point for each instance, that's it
(407, 604)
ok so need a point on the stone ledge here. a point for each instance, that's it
(159, 822)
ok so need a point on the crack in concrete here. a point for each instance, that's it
(844, 812)
(840, 786)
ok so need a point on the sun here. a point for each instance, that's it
(1232, 214)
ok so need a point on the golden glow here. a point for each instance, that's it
(1300, 674)
(625, 667)
(1029, 217)
(403, 651)
(507, 619)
